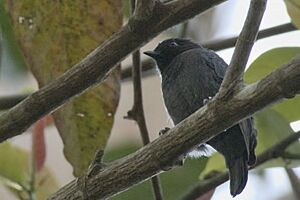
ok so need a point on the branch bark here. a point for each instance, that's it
(197, 128)
(234, 75)
(84, 74)
(273, 152)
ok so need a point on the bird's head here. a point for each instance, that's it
(167, 50)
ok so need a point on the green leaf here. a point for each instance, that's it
(293, 8)
(214, 163)
(55, 35)
(15, 173)
(272, 127)
(266, 63)
(14, 163)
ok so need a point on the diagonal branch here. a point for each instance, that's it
(273, 152)
(94, 68)
(230, 42)
(234, 74)
(204, 124)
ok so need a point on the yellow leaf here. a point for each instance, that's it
(53, 36)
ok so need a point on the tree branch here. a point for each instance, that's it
(294, 180)
(290, 156)
(234, 75)
(204, 124)
(94, 68)
(7, 102)
(144, 9)
(273, 152)
(230, 42)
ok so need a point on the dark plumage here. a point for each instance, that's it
(190, 75)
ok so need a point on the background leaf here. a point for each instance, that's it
(268, 62)
(273, 127)
(56, 35)
(46, 184)
(293, 8)
(15, 173)
(14, 164)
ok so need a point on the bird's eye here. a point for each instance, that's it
(173, 44)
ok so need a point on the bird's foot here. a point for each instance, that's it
(163, 131)
(206, 100)
(178, 162)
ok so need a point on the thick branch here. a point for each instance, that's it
(273, 152)
(144, 9)
(197, 128)
(97, 64)
(234, 74)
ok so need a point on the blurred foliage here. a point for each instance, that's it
(174, 182)
(272, 124)
(272, 128)
(15, 173)
(14, 163)
(54, 36)
(293, 8)
(265, 64)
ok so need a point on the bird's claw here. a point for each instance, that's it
(163, 131)
(206, 100)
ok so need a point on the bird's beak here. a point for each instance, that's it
(153, 54)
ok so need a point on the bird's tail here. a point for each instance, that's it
(238, 174)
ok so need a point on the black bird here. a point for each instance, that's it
(191, 75)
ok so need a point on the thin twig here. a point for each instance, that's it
(295, 182)
(137, 111)
(234, 74)
(273, 152)
(184, 29)
(216, 45)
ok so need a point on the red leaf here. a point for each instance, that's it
(38, 144)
